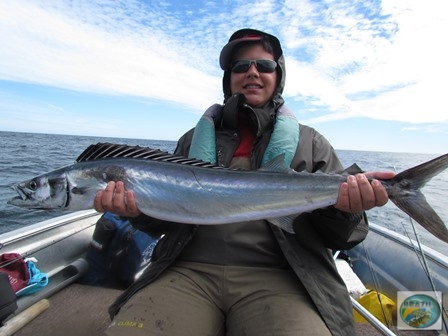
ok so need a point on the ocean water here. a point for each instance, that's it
(25, 155)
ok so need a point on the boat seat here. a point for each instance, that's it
(354, 285)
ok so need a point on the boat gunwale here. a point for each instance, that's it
(11, 237)
(410, 243)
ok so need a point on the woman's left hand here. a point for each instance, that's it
(359, 194)
(116, 199)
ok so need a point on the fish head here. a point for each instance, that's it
(42, 192)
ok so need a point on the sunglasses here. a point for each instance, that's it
(262, 65)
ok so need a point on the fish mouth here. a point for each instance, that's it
(22, 195)
(25, 198)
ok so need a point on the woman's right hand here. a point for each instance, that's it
(114, 198)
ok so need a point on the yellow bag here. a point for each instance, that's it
(373, 304)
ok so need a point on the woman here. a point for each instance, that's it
(249, 278)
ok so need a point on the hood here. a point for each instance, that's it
(245, 36)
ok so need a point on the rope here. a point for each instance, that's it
(426, 268)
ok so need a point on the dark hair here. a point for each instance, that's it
(265, 43)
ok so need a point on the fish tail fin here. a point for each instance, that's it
(404, 192)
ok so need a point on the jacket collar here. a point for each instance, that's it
(262, 119)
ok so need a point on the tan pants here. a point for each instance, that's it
(201, 299)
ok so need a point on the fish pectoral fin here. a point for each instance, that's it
(79, 190)
(284, 223)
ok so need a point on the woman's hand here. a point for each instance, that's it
(359, 194)
(114, 198)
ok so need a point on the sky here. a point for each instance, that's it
(368, 75)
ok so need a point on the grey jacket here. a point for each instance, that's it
(308, 252)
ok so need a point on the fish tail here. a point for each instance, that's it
(404, 191)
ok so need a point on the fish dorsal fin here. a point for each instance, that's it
(277, 164)
(110, 151)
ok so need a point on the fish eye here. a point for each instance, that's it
(32, 185)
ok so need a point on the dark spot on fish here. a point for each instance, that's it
(57, 185)
(114, 173)
(110, 173)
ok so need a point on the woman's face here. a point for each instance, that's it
(257, 86)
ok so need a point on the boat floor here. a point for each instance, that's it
(77, 310)
(81, 310)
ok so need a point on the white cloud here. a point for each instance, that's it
(378, 60)
(58, 48)
(388, 65)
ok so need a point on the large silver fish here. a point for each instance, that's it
(185, 190)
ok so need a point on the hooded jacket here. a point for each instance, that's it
(309, 250)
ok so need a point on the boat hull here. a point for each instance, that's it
(385, 261)
(388, 262)
(58, 244)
